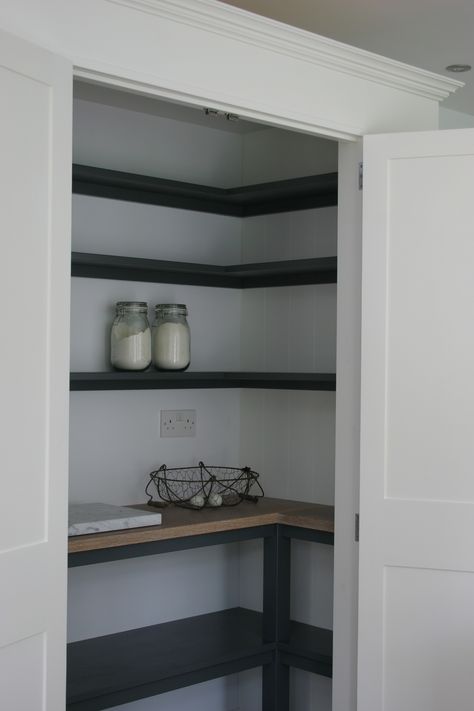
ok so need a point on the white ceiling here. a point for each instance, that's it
(425, 33)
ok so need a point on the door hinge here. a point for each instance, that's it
(356, 528)
(361, 176)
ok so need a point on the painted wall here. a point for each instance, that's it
(454, 119)
(115, 435)
(289, 435)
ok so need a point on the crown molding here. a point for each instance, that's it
(237, 24)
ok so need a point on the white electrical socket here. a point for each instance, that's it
(178, 423)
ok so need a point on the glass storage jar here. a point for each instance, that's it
(130, 337)
(171, 337)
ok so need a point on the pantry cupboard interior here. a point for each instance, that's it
(288, 436)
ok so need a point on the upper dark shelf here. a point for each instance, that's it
(123, 667)
(154, 379)
(322, 270)
(261, 199)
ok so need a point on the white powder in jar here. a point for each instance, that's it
(171, 346)
(130, 351)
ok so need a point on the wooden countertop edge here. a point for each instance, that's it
(303, 517)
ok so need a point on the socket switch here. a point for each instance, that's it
(178, 423)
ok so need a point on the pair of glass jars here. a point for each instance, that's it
(133, 345)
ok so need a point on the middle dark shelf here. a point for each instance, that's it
(322, 270)
(157, 380)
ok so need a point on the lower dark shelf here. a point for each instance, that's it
(153, 379)
(310, 648)
(127, 666)
(119, 668)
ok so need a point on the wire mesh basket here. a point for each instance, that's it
(203, 486)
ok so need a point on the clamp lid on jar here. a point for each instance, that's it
(171, 337)
(171, 309)
(135, 306)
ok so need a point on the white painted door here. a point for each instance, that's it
(416, 587)
(35, 187)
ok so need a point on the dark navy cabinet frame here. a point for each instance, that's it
(108, 671)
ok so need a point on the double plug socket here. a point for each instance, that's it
(178, 423)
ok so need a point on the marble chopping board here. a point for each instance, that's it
(96, 518)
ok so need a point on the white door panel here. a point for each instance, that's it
(416, 576)
(35, 186)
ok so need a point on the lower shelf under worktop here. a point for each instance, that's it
(118, 668)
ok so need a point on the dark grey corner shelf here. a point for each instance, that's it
(156, 380)
(103, 672)
(319, 270)
(241, 276)
(309, 648)
(264, 198)
(126, 666)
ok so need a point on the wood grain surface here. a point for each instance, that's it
(179, 522)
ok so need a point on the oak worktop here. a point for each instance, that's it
(179, 522)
